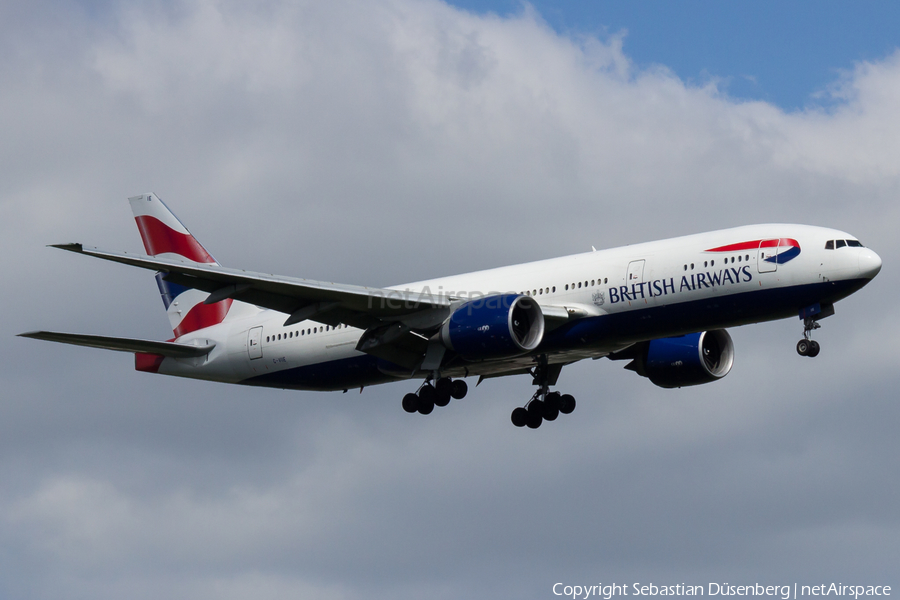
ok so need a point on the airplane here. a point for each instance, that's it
(663, 306)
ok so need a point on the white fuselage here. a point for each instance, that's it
(617, 297)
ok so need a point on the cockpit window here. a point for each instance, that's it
(854, 243)
(829, 245)
(840, 244)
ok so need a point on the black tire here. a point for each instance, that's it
(443, 385)
(410, 403)
(536, 407)
(550, 413)
(534, 420)
(567, 404)
(427, 392)
(803, 347)
(442, 392)
(519, 417)
(425, 402)
(553, 399)
(813, 349)
(459, 389)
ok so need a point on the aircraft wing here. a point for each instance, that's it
(301, 299)
(171, 349)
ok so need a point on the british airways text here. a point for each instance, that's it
(664, 287)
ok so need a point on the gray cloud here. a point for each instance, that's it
(387, 142)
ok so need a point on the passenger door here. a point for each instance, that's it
(254, 343)
(768, 249)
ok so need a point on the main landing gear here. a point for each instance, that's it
(438, 394)
(544, 404)
(807, 346)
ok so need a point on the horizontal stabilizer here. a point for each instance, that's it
(171, 349)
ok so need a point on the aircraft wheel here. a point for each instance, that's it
(550, 413)
(553, 400)
(813, 349)
(803, 347)
(535, 414)
(442, 392)
(443, 389)
(410, 403)
(425, 403)
(567, 404)
(459, 389)
(519, 417)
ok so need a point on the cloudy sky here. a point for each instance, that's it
(383, 142)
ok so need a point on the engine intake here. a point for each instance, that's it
(686, 360)
(497, 326)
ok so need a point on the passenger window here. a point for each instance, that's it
(579, 285)
(840, 244)
(829, 245)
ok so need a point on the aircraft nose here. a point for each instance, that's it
(869, 264)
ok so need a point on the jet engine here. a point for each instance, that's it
(497, 326)
(686, 359)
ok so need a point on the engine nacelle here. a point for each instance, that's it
(496, 326)
(688, 359)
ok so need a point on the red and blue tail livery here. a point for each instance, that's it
(662, 306)
(165, 236)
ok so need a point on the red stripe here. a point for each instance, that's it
(756, 244)
(148, 363)
(159, 238)
(203, 315)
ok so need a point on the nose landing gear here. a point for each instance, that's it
(807, 346)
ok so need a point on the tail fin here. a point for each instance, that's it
(164, 235)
